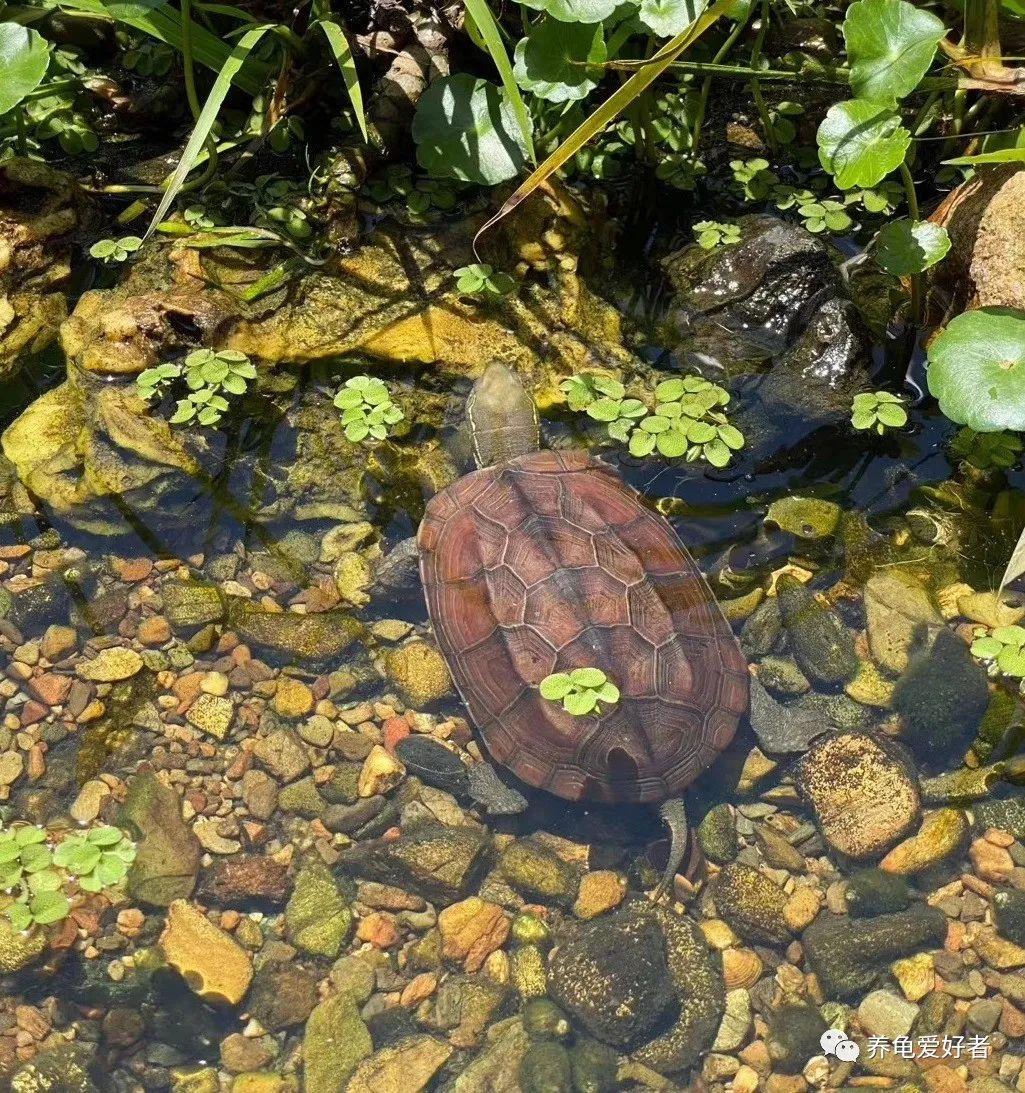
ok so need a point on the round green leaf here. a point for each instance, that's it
(560, 62)
(672, 444)
(465, 128)
(105, 836)
(29, 834)
(861, 142)
(894, 417)
(1011, 661)
(604, 409)
(667, 18)
(576, 11)
(905, 247)
(670, 390)
(977, 369)
(642, 443)
(890, 46)
(608, 692)
(9, 849)
(24, 58)
(716, 453)
(19, 916)
(986, 648)
(78, 856)
(49, 907)
(45, 881)
(1010, 635)
(580, 703)
(588, 677)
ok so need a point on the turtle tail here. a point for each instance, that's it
(674, 816)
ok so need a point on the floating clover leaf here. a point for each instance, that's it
(987, 451)
(878, 410)
(1004, 648)
(154, 381)
(367, 409)
(582, 390)
(581, 691)
(560, 62)
(825, 215)
(890, 46)
(977, 369)
(466, 128)
(115, 250)
(711, 234)
(24, 58)
(576, 11)
(861, 142)
(99, 858)
(689, 422)
(754, 178)
(480, 279)
(906, 247)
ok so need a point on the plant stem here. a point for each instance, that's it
(19, 121)
(916, 278)
(706, 86)
(756, 88)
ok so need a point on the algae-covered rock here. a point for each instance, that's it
(433, 860)
(594, 1066)
(534, 871)
(1005, 813)
(941, 835)
(315, 639)
(806, 517)
(404, 1067)
(495, 1068)
(942, 697)
(167, 855)
(1009, 914)
(191, 604)
(848, 954)
(897, 608)
(751, 903)
(717, 834)
(335, 1043)
(419, 673)
(18, 950)
(794, 1036)
(873, 892)
(612, 975)
(863, 793)
(318, 918)
(546, 1068)
(64, 1068)
(822, 646)
(783, 729)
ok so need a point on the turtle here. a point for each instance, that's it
(541, 562)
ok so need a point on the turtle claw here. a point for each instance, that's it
(674, 816)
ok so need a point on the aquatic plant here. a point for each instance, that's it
(484, 281)
(711, 234)
(1003, 649)
(424, 197)
(878, 410)
(987, 451)
(367, 409)
(115, 250)
(210, 374)
(582, 390)
(99, 858)
(581, 691)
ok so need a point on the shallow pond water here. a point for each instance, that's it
(322, 899)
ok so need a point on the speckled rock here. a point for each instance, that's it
(419, 673)
(19, 950)
(335, 1043)
(167, 854)
(942, 834)
(111, 665)
(873, 892)
(64, 1068)
(822, 646)
(534, 871)
(188, 605)
(896, 607)
(864, 794)
(717, 834)
(318, 919)
(751, 903)
(794, 1036)
(405, 1067)
(211, 714)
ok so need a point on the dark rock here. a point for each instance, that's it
(435, 861)
(342, 788)
(244, 881)
(497, 797)
(594, 1067)
(717, 834)
(942, 697)
(35, 606)
(347, 818)
(543, 1019)
(66, 1068)
(612, 975)
(1009, 914)
(1006, 814)
(316, 639)
(780, 729)
(822, 646)
(751, 903)
(433, 763)
(762, 630)
(167, 856)
(546, 1069)
(794, 1034)
(873, 892)
(848, 954)
(188, 605)
(281, 996)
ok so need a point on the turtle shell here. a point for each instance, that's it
(550, 562)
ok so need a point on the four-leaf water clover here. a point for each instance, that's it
(1004, 648)
(99, 858)
(367, 409)
(580, 691)
(711, 234)
(582, 390)
(878, 410)
(115, 250)
(481, 280)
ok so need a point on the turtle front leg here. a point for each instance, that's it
(674, 816)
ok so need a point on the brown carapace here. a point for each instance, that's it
(547, 561)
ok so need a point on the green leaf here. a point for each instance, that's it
(35, 857)
(863, 419)
(731, 436)
(185, 412)
(555, 687)
(466, 129)
(576, 11)
(861, 142)
(890, 46)
(670, 390)
(986, 648)
(641, 443)
(19, 916)
(234, 385)
(906, 247)
(111, 870)
(561, 62)
(45, 881)
(77, 855)
(24, 58)
(49, 907)
(716, 453)
(29, 835)
(980, 159)
(604, 409)
(588, 677)
(580, 703)
(672, 444)
(1011, 661)
(105, 836)
(894, 417)
(1010, 635)
(700, 432)
(342, 53)
(977, 369)
(608, 693)
(667, 18)
(9, 849)
(357, 431)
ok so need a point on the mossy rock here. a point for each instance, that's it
(822, 646)
(751, 903)
(535, 872)
(19, 950)
(873, 892)
(318, 918)
(317, 639)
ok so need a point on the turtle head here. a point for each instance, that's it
(502, 416)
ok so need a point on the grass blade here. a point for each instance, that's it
(610, 109)
(480, 13)
(347, 66)
(205, 121)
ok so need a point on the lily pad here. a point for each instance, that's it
(576, 11)
(905, 247)
(667, 18)
(861, 142)
(559, 61)
(466, 128)
(24, 59)
(890, 46)
(977, 369)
